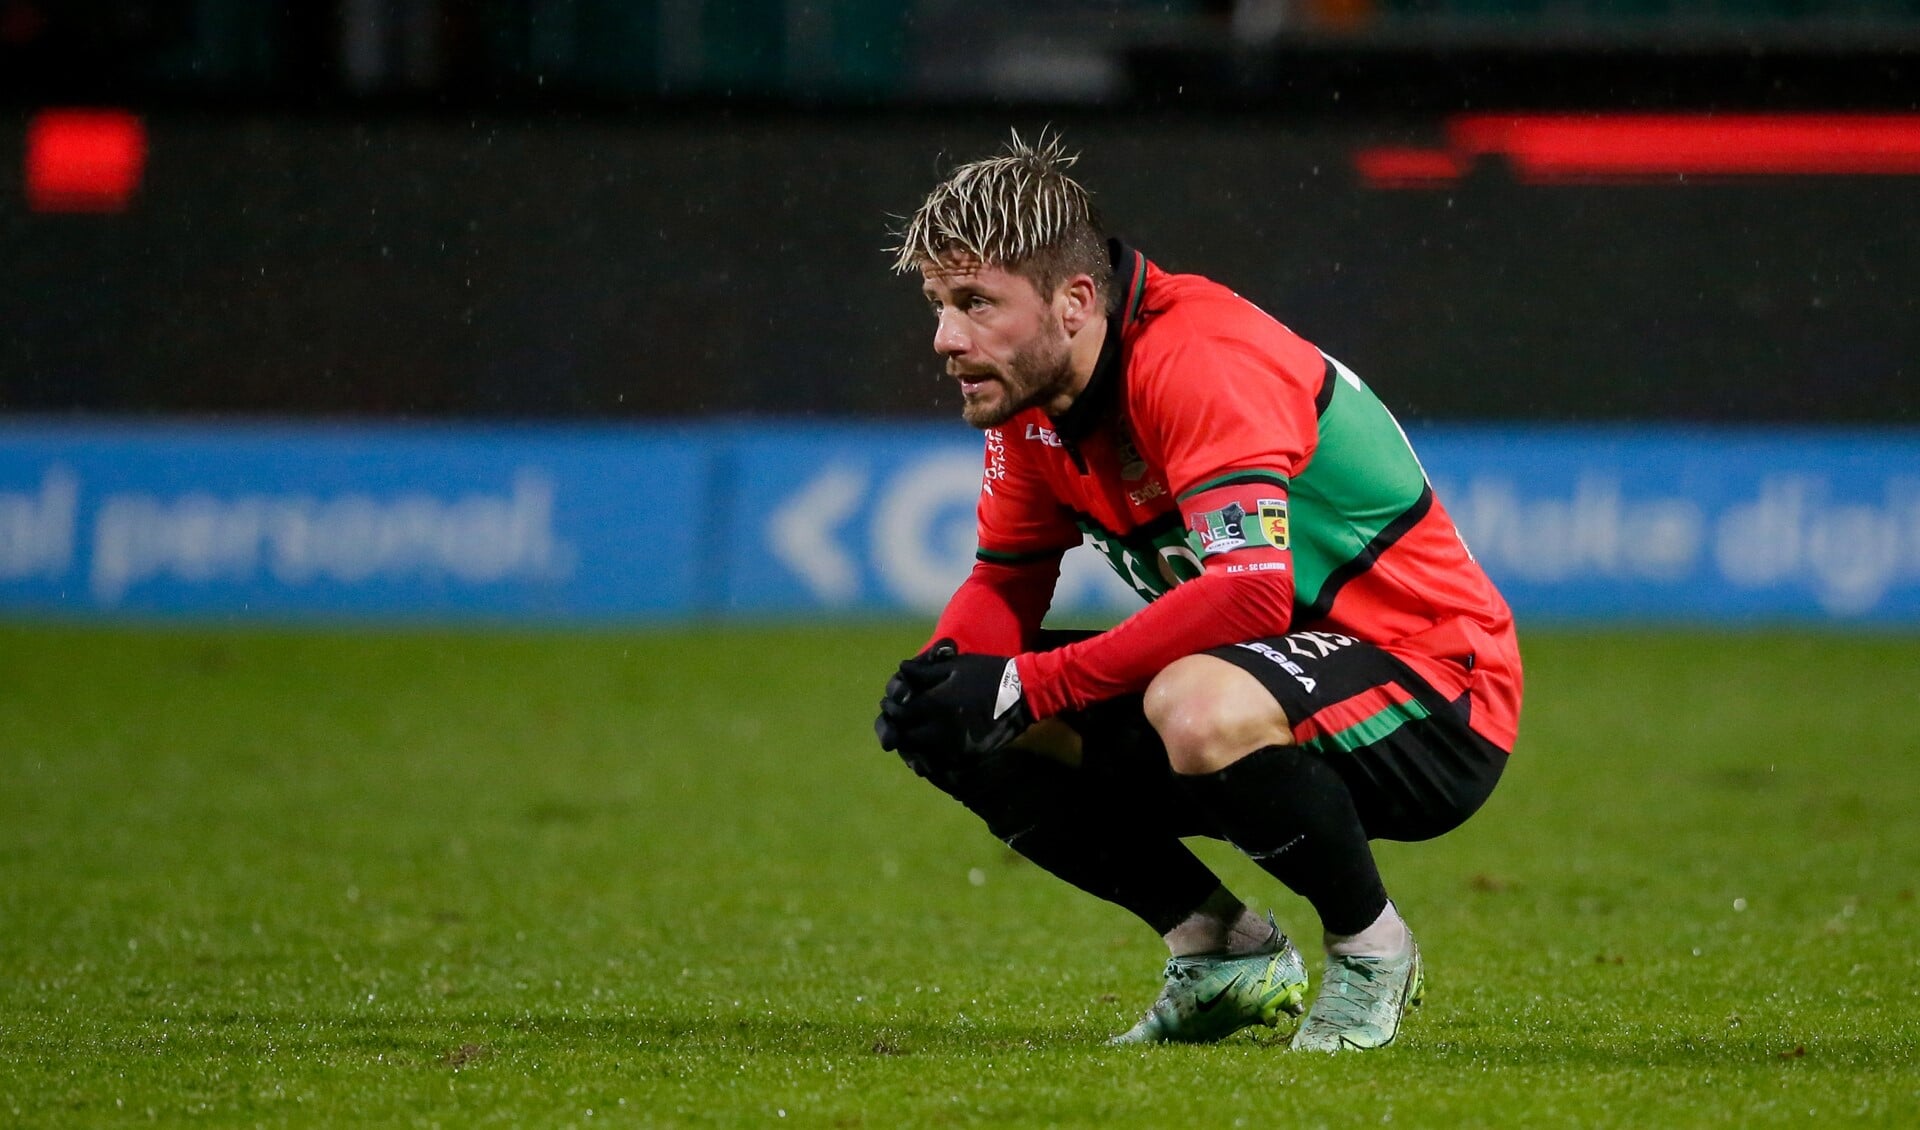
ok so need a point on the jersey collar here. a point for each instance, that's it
(1090, 407)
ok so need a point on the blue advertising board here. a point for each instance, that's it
(1696, 525)
(871, 517)
(618, 524)
(378, 522)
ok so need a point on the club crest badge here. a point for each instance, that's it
(1222, 530)
(1273, 521)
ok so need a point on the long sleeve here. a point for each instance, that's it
(998, 609)
(1210, 611)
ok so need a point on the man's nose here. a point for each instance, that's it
(949, 339)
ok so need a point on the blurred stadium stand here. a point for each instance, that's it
(947, 50)
(502, 208)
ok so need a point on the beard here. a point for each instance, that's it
(1034, 375)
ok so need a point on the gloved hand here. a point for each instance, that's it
(893, 703)
(886, 727)
(943, 702)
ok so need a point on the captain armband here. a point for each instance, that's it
(1246, 517)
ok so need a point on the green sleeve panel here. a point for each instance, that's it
(1362, 476)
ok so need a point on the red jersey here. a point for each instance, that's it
(1247, 486)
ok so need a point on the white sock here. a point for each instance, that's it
(1223, 924)
(1387, 937)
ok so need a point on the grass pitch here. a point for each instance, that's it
(668, 879)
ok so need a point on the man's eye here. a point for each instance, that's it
(977, 303)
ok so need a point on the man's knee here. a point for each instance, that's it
(1211, 714)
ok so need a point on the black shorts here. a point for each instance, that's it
(1414, 766)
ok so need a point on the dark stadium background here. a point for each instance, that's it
(590, 209)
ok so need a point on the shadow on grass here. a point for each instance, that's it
(455, 1039)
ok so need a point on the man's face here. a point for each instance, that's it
(1002, 339)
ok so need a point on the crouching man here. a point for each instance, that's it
(1320, 662)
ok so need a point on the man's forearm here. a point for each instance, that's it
(998, 609)
(1207, 612)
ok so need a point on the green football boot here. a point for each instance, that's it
(1361, 1001)
(1210, 996)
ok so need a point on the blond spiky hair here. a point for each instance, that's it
(1018, 210)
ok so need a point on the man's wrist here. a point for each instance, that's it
(1041, 679)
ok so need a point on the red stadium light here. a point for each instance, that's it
(1386, 166)
(1638, 146)
(84, 160)
(1617, 148)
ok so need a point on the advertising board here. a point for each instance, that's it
(584, 525)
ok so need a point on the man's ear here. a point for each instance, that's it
(1079, 302)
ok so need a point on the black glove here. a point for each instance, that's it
(886, 727)
(946, 703)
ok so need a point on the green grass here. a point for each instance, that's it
(668, 879)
